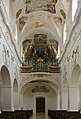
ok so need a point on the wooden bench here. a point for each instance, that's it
(17, 114)
(63, 114)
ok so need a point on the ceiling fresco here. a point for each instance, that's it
(47, 5)
(39, 14)
(40, 26)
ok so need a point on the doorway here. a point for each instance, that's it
(40, 105)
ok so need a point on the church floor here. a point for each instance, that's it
(40, 116)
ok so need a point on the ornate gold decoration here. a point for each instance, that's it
(18, 13)
(22, 22)
(39, 24)
(58, 20)
(63, 13)
(40, 60)
(39, 55)
(55, 1)
(28, 1)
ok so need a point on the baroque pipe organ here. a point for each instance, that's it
(40, 55)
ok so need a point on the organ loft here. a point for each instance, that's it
(40, 59)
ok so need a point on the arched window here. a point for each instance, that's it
(74, 8)
(64, 34)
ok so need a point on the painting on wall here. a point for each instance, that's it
(40, 38)
(41, 5)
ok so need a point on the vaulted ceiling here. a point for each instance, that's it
(40, 17)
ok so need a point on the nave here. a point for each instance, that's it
(52, 114)
(40, 116)
(40, 59)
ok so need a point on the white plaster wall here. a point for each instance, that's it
(52, 102)
(29, 98)
(65, 100)
(12, 62)
(73, 41)
(74, 99)
(6, 101)
(28, 102)
(8, 56)
(16, 98)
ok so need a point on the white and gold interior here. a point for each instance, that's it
(40, 55)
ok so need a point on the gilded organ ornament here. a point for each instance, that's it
(40, 55)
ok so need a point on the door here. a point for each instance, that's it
(40, 105)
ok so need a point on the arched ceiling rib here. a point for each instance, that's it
(42, 15)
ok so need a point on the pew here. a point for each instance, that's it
(63, 114)
(17, 114)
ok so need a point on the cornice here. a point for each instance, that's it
(74, 24)
(9, 30)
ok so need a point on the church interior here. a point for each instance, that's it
(40, 59)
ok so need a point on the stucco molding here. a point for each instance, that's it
(73, 26)
(8, 28)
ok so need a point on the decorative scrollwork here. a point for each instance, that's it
(40, 89)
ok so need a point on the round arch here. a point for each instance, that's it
(74, 97)
(42, 30)
(75, 75)
(5, 88)
(52, 84)
(51, 98)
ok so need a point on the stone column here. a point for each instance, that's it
(65, 100)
